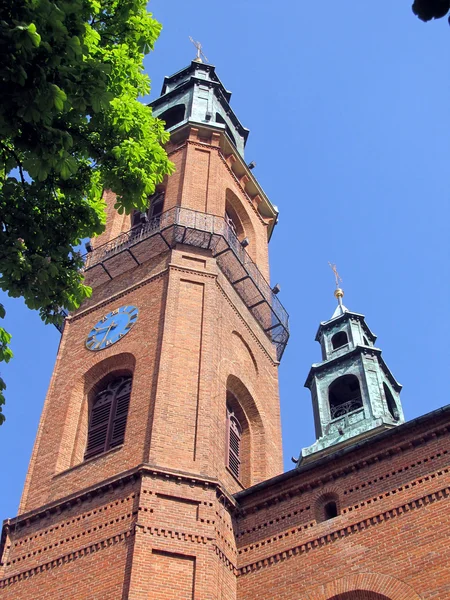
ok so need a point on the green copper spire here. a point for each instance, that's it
(354, 394)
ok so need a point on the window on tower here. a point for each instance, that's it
(173, 116)
(108, 416)
(339, 339)
(154, 211)
(234, 434)
(344, 395)
(391, 404)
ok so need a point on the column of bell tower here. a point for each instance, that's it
(182, 313)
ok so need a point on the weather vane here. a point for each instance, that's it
(200, 53)
(338, 292)
(337, 277)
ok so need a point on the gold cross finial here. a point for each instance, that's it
(200, 53)
(338, 292)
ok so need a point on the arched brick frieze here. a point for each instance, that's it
(244, 351)
(364, 586)
(83, 389)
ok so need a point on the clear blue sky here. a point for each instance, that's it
(348, 110)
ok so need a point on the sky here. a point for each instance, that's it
(347, 106)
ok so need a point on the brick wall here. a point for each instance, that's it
(393, 498)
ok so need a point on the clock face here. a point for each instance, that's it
(113, 327)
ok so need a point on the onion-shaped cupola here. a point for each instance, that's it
(354, 394)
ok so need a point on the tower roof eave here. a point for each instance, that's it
(324, 325)
(317, 367)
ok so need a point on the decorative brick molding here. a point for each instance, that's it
(350, 468)
(175, 535)
(66, 558)
(246, 325)
(392, 588)
(340, 533)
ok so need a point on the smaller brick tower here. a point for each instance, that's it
(354, 394)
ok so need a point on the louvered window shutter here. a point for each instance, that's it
(121, 412)
(234, 444)
(108, 417)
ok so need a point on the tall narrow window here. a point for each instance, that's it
(108, 417)
(234, 433)
(391, 404)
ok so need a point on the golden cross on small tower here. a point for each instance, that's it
(338, 292)
(200, 53)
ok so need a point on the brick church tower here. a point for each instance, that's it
(156, 472)
(164, 397)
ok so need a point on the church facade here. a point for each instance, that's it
(157, 467)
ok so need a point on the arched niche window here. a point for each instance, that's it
(234, 436)
(327, 507)
(220, 119)
(344, 395)
(391, 404)
(173, 115)
(339, 339)
(108, 416)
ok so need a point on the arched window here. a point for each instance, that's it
(344, 395)
(339, 339)
(108, 416)
(234, 434)
(173, 115)
(391, 404)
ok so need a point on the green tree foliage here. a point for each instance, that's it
(71, 125)
(431, 9)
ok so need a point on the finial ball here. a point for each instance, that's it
(338, 293)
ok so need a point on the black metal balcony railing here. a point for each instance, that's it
(184, 226)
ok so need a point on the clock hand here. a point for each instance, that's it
(97, 329)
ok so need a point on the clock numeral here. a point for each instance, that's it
(105, 318)
(108, 342)
(121, 335)
(93, 345)
(114, 312)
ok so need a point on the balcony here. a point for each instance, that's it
(183, 226)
